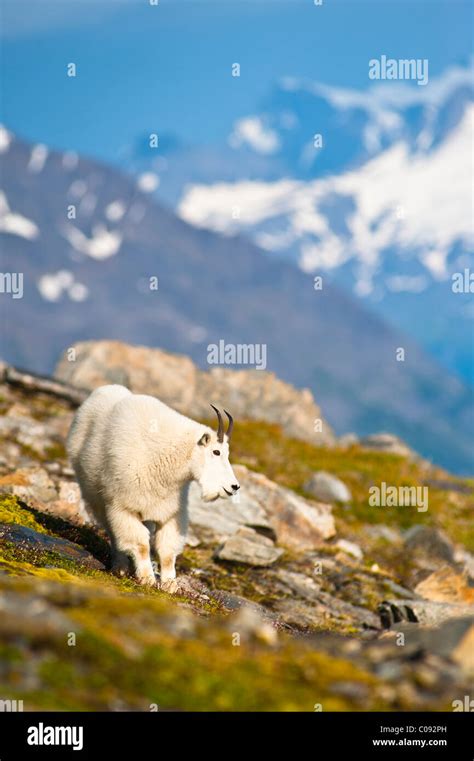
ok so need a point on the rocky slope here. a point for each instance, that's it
(299, 596)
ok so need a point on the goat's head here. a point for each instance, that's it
(211, 466)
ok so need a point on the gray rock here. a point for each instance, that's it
(424, 612)
(327, 488)
(279, 513)
(350, 548)
(466, 560)
(348, 440)
(453, 639)
(322, 606)
(386, 442)
(302, 585)
(381, 531)
(431, 542)
(224, 518)
(30, 483)
(246, 546)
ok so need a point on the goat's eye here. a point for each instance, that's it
(216, 451)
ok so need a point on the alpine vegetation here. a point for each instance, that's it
(134, 458)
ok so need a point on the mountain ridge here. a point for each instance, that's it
(93, 283)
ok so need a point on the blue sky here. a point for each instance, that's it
(168, 68)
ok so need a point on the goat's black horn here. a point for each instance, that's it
(231, 424)
(220, 429)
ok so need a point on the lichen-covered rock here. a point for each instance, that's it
(32, 543)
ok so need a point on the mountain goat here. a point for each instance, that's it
(134, 458)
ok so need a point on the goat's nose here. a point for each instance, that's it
(235, 487)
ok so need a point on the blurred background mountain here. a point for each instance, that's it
(236, 210)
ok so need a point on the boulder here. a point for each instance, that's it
(291, 520)
(327, 488)
(177, 381)
(430, 542)
(249, 547)
(445, 585)
(386, 442)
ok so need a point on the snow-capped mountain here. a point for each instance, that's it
(89, 241)
(372, 189)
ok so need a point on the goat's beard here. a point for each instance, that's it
(210, 497)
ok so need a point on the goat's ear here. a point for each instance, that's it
(204, 440)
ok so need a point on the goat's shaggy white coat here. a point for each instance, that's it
(134, 458)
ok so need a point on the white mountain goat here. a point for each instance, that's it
(134, 458)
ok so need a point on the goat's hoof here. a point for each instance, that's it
(119, 572)
(146, 581)
(171, 586)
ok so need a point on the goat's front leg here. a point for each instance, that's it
(130, 540)
(168, 542)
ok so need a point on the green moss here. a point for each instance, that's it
(13, 510)
(290, 462)
(20, 567)
(56, 452)
(30, 452)
(126, 652)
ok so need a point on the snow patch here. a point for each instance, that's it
(148, 182)
(115, 211)
(78, 188)
(398, 200)
(5, 139)
(16, 224)
(53, 286)
(102, 245)
(38, 156)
